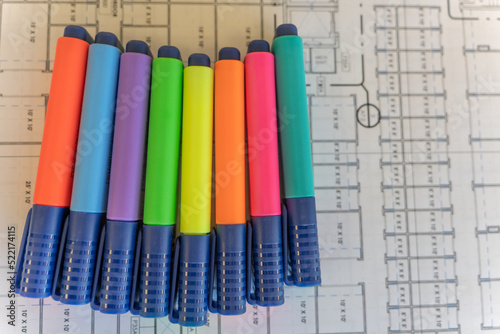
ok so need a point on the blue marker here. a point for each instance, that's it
(77, 253)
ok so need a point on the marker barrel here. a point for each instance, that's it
(160, 199)
(266, 239)
(196, 167)
(55, 167)
(229, 119)
(295, 138)
(90, 185)
(296, 156)
(263, 158)
(57, 155)
(160, 202)
(125, 184)
(129, 137)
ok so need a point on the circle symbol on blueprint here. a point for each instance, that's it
(368, 115)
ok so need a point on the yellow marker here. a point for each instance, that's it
(191, 257)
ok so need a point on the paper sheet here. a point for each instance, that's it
(404, 99)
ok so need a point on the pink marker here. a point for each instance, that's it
(264, 237)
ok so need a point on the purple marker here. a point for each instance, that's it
(112, 283)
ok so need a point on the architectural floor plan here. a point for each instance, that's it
(404, 98)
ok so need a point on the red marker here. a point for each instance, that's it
(265, 231)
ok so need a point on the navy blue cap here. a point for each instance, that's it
(286, 29)
(78, 32)
(229, 53)
(138, 47)
(199, 59)
(258, 45)
(109, 39)
(168, 51)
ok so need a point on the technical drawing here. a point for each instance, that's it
(403, 100)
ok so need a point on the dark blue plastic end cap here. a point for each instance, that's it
(229, 53)
(258, 45)
(108, 38)
(286, 29)
(138, 47)
(168, 51)
(78, 32)
(199, 59)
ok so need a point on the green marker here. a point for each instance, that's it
(160, 200)
(295, 147)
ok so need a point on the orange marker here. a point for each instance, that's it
(39, 245)
(229, 129)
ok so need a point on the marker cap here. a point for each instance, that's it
(229, 266)
(108, 38)
(199, 59)
(78, 32)
(286, 29)
(38, 254)
(258, 45)
(115, 264)
(76, 258)
(153, 263)
(136, 46)
(302, 244)
(229, 53)
(265, 248)
(191, 268)
(168, 51)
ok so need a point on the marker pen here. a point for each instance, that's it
(73, 284)
(295, 144)
(160, 199)
(264, 234)
(191, 258)
(40, 241)
(117, 245)
(229, 133)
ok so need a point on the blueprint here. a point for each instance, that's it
(404, 101)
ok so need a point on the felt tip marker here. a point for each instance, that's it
(160, 198)
(118, 240)
(264, 233)
(51, 201)
(191, 259)
(296, 156)
(80, 238)
(229, 132)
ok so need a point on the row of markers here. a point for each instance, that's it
(86, 239)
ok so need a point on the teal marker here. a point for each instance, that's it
(299, 209)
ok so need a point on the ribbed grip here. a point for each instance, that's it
(303, 241)
(79, 257)
(41, 251)
(155, 271)
(193, 280)
(267, 261)
(117, 267)
(231, 269)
